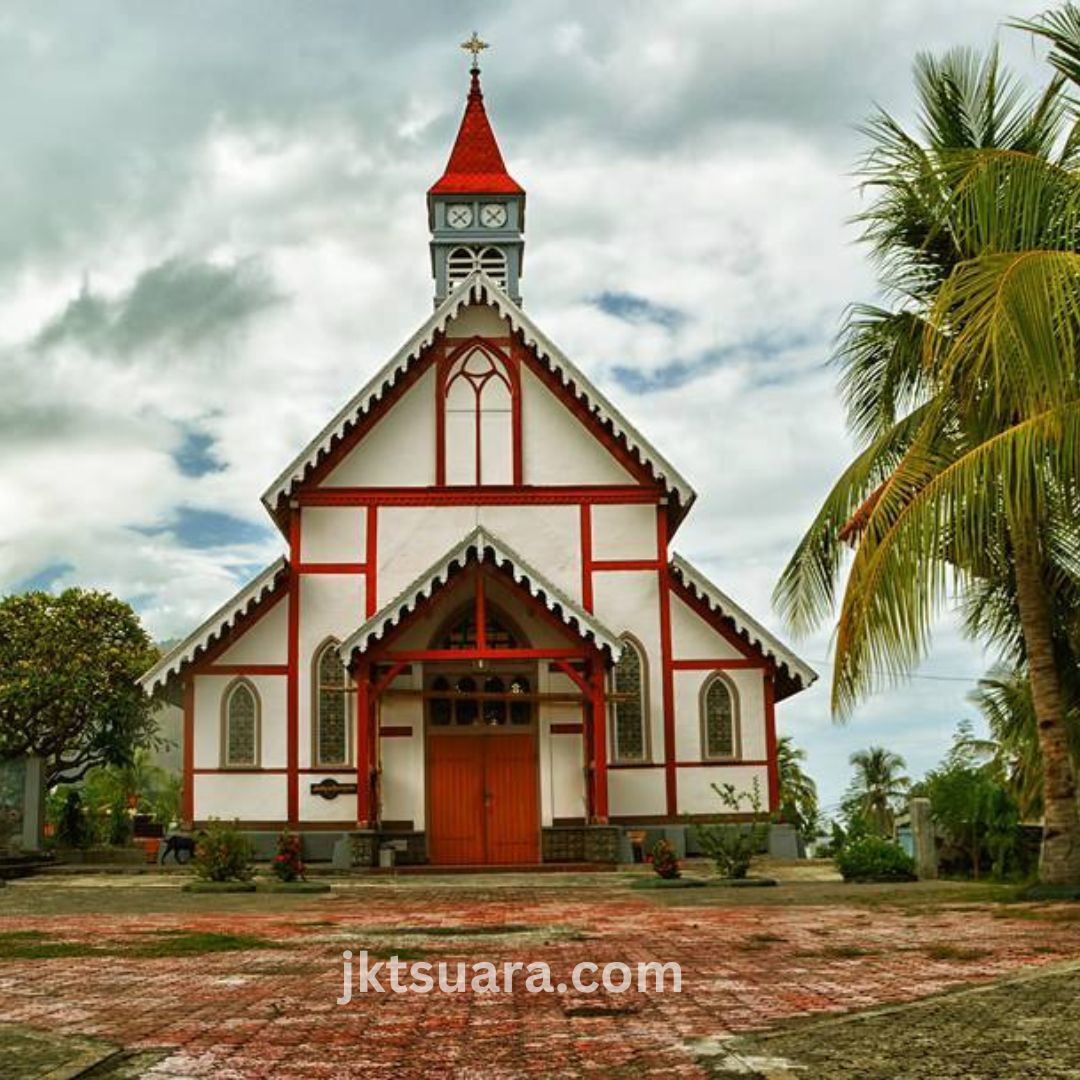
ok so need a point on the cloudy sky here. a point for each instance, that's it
(212, 231)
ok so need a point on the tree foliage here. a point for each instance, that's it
(798, 792)
(876, 790)
(68, 666)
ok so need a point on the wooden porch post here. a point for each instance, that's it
(364, 760)
(599, 744)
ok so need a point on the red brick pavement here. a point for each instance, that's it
(272, 1013)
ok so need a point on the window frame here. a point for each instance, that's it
(226, 721)
(728, 683)
(317, 760)
(646, 715)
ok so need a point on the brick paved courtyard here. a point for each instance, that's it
(123, 963)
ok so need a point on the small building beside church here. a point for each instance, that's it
(479, 641)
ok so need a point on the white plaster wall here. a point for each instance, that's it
(333, 534)
(246, 796)
(266, 642)
(316, 808)
(692, 638)
(750, 686)
(548, 537)
(411, 538)
(636, 792)
(623, 532)
(627, 601)
(399, 451)
(402, 758)
(697, 797)
(557, 449)
(272, 702)
(478, 320)
(331, 605)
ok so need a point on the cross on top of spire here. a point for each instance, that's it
(475, 46)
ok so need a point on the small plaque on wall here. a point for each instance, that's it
(331, 788)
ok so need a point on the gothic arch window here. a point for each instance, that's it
(462, 261)
(479, 404)
(720, 737)
(459, 265)
(459, 631)
(240, 722)
(630, 711)
(330, 727)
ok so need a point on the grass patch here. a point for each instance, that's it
(942, 950)
(34, 945)
(838, 952)
(1058, 893)
(668, 883)
(757, 942)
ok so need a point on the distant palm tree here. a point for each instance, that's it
(798, 792)
(877, 787)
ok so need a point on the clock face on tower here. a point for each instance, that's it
(459, 215)
(493, 215)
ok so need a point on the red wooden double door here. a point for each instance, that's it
(483, 799)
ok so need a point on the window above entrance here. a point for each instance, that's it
(475, 701)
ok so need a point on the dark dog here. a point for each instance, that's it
(179, 846)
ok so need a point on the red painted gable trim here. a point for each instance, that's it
(493, 495)
(187, 810)
(671, 782)
(292, 727)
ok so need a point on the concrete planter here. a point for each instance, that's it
(219, 887)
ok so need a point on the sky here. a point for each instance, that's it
(213, 231)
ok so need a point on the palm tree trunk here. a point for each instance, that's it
(1059, 858)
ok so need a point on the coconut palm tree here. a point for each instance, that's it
(877, 787)
(798, 792)
(964, 391)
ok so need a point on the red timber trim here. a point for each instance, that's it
(420, 655)
(770, 740)
(364, 760)
(671, 780)
(371, 553)
(364, 425)
(246, 669)
(624, 564)
(585, 416)
(599, 743)
(202, 664)
(187, 808)
(719, 665)
(719, 623)
(586, 558)
(254, 770)
(506, 365)
(481, 615)
(395, 731)
(332, 568)
(292, 726)
(739, 763)
(490, 495)
(567, 729)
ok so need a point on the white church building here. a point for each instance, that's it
(480, 641)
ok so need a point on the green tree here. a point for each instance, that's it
(68, 666)
(798, 792)
(877, 788)
(964, 391)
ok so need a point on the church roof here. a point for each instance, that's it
(269, 582)
(480, 545)
(477, 288)
(476, 165)
(799, 674)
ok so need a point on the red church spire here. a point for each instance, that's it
(476, 166)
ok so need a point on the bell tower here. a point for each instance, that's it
(476, 209)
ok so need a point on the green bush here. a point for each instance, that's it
(222, 854)
(873, 858)
(732, 846)
(664, 861)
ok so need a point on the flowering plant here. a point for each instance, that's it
(664, 861)
(287, 864)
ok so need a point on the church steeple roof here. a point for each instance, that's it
(476, 166)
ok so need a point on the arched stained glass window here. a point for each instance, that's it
(719, 719)
(331, 707)
(240, 739)
(630, 712)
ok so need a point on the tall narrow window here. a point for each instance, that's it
(630, 712)
(719, 719)
(479, 420)
(240, 715)
(331, 708)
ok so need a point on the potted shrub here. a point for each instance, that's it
(664, 863)
(222, 861)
